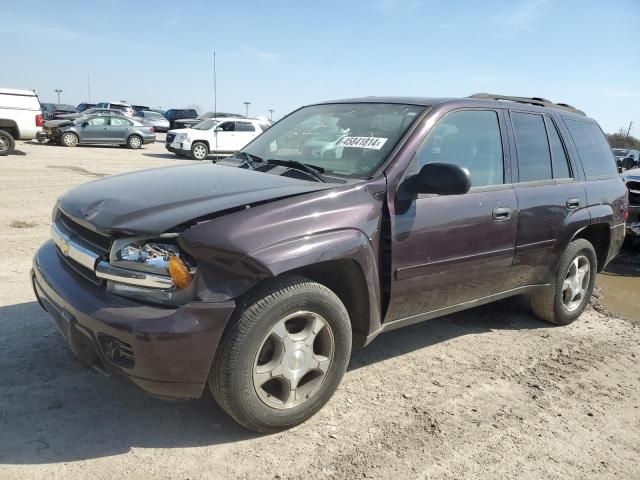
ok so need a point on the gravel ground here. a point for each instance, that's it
(490, 393)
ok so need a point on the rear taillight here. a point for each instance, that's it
(39, 120)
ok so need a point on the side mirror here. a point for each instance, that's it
(441, 179)
(218, 129)
(85, 124)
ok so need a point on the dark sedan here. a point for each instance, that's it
(99, 129)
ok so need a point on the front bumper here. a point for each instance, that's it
(633, 221)
(178, 148)
(167, 352)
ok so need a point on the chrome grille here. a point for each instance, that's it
(634, 193)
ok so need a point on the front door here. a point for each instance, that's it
(448, 250)
(226, 138)
(94, 130)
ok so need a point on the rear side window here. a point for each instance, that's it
(245, 127)
(593, 148)
(558, 155)
(534, 159)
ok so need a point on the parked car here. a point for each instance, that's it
(257, 275)
(190, 122)
(124, 107)
(152, 119)
(91, 111)
(216, 135)
(174, 114)
(52, 111)
(99, 129)
(85, 106)
(20, 117)
(632, 180)
(626, 158)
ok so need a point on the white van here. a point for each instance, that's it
(123, 107)
(20, 117)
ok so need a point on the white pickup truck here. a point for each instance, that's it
(20, 117)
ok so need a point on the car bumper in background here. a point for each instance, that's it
(167, 352)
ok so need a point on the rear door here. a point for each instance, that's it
(118, 129)
(549, 196)
(448, 250)
(245, 132)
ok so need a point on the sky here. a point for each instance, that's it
(282, 54)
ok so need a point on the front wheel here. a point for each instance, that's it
(199, 151)
(567, 296)
(69, 139)
(284, 358)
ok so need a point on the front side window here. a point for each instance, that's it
(470, 139)
(593, 148)
(99, 121)
(534, 159)
(345, 139)
(228, 126)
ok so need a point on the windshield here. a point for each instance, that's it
(344, 139)
(620, 152)
(149, 114)
(206, 125)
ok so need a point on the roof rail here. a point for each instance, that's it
(541, 102)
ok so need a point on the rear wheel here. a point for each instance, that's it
(134, 142)
(69, 139)
(199, 151)
(571, 287)
(7, 143)
(284, 358)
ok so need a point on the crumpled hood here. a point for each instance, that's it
(154, 201)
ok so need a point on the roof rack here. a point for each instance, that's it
(541, 102)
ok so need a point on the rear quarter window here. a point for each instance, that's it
(594, 150)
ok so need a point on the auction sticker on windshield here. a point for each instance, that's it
(373, 143)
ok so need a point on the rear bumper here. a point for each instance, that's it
(633, 221)
(166, 352)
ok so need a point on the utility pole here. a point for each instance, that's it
(246, 108)
(271, 110)
(58, 91)
(89, 87)
(626, 139)
(215, 99)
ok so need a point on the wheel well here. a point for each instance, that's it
(346, 280)
(202, 141)
(599, 235)
(10, 127)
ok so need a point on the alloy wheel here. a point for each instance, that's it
(199, 152)
(576, 283)
(4, 145)
(293, 360)
(135, 142)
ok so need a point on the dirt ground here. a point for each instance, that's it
(490, 393)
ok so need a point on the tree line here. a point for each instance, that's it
(622, 140)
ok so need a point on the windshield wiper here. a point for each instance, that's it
(249, 158)
(313, 170)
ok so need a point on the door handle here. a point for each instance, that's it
(573, 203)
(501, 213)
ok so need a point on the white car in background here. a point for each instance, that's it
(20, 117)
(221, 136)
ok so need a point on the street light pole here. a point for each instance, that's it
(271, 110)
(58, 91)
(246, 109)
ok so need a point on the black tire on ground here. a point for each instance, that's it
(7, 143)
(231, 379)
(199, 151)
(549, 304)
(69, 139)
(134, 142)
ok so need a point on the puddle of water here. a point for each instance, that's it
(620, 284)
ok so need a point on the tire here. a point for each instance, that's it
(7, 143)
(199, 151)
(69, 139)
(134, 142)
(556, 303)
(293, 309)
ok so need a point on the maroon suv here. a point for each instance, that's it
(259, 274)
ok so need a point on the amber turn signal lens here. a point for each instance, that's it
(179, 272)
